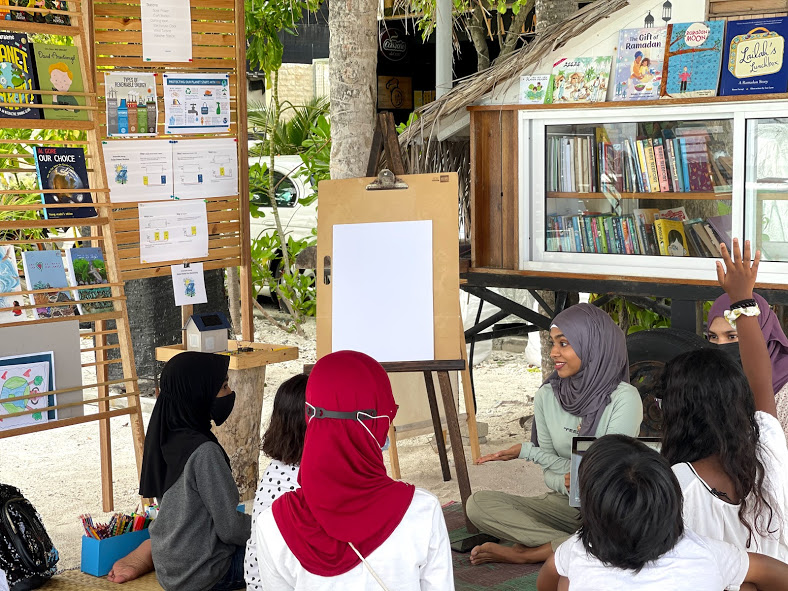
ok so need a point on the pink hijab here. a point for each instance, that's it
(776, 341)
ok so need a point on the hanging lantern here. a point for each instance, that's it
(667, 9)
(649, 20)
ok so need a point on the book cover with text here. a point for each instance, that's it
(753, 59)
(693, 57)
(671, 239)
(536, 89)
(581, 79)
(44, 270)
(17, 77)
(58, 70)
(63, 169)
(86, 267)
(638, 74)
(10, 283)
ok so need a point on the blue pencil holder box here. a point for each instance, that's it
(98, 556)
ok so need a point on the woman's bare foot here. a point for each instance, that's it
(517, 554)
(133, 565)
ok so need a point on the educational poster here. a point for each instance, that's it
(131, 103)
(581, 79)
(205, 168)
(166, 31)
(641, 53)
(399, 248)
(174, 231)
(692, 59)
(188, 283)
(196, 103)
(10, 283)
(139, 170)
(25, 375)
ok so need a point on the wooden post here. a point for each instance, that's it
(393, 453)
(440, 442)
(467, 392)
(105, 437)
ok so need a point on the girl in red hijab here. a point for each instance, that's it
(350, 526)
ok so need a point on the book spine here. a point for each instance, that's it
(633, 232)
(641, 233)
(643, 166)
(674, 177)
(608, 227)
(660, 235)
(662, 169)
(600, 224)
(578, 238)
(588, 233)
(627, 236)
(651, 163)
(684, 164)
(619, 235)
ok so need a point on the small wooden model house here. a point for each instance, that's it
(207, 333)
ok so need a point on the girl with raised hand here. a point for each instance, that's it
(587, 394)
(723, 334)
(350, 526)
(720, 429)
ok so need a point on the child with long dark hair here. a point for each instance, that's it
(283, 442)
(633, 535)
(721, 433)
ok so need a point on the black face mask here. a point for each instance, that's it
(732, 349)
(222, 407)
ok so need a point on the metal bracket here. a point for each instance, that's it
(386, 180)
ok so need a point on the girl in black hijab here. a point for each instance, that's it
(198, 539)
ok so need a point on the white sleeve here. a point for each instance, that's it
(563, 555)
(437, 573)
(270, 577)
(772, 438)
(733, 562)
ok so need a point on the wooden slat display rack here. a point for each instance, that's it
(218, 45)
(16, 158)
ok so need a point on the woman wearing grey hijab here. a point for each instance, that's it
(588, 393)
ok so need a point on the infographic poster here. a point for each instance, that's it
(205, 168)
(131, 103)
(138, 170)
(196, 103)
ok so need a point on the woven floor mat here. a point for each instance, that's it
(75, 580)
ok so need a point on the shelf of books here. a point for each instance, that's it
(640, 188)
(63, 320)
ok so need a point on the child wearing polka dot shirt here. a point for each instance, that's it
(283, 442)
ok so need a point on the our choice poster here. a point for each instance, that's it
(24, 375)
(188, 283)
(205, 168)
(131, 103)
(196, 103)
(166, 31)
(174, 231)
(138, 170)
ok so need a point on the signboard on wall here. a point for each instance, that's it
(395, 92)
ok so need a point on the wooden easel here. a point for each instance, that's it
(359, 205)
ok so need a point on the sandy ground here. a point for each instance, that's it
(59, 470)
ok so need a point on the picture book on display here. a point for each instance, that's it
(86, 267)
(753, 57)
(536, 90)
(671, 239)
(639, 60)
(45, 17)
(44, 270)
(16, 77)
(581, 79)
(57, 69)
(693, 58)
(62, 168)
(9, 283)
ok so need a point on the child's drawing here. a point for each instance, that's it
(24, 379)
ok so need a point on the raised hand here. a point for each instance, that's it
(738, 274)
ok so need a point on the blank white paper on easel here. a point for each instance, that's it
(381, 279)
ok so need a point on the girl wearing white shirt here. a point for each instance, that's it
(350, 526)
(721, 432)
(633, 536)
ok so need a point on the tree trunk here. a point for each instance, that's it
(233, 280)
(478, 31)
(551, 12)
(353, 48)
(513, 34)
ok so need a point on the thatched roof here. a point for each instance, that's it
(507, 69)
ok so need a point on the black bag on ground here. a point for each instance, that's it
(27, 555)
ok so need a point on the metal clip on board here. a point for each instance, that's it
(386, 180)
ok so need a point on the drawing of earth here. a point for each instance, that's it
(13, 387)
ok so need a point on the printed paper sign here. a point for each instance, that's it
(166, 31)
(175, 231)
(139, 170)
(196, 103)
(188, 283)
(205, 168)
(131, 103)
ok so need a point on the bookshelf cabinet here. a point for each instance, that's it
(598, 185)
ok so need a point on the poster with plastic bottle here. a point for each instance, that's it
(196, 103)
